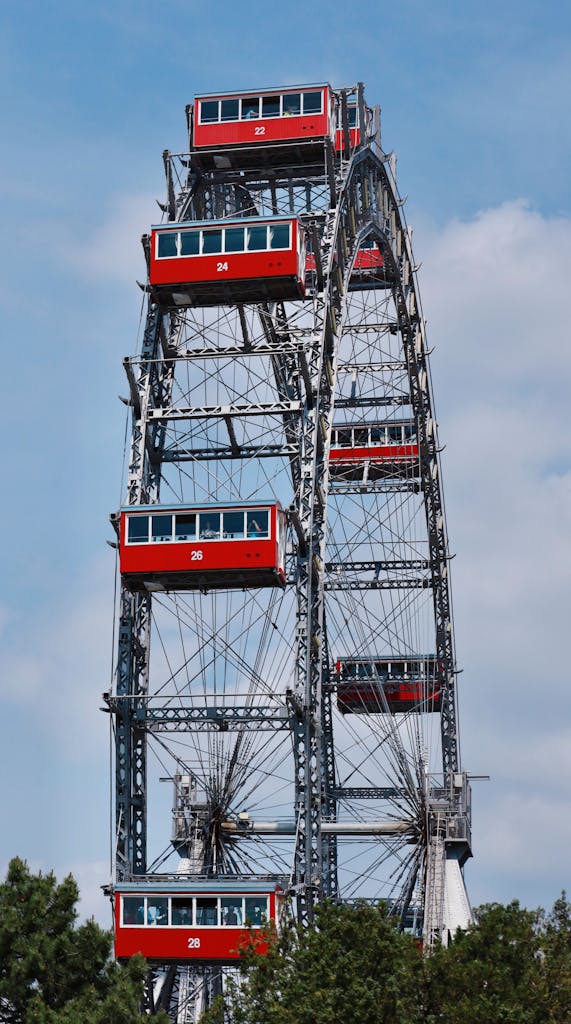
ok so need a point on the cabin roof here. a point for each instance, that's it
(279, 90)
(209, 886)
(369, 659)
(239, 222)
(204, 507)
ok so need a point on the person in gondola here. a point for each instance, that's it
(207, 532)
(254, 529)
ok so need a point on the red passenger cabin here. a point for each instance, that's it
(355, 134)
(368, 269)
(388, 685)
(209, 921)
(211, 263)
(386, 449)
(202, 547)
(369, 256)
(278, 126)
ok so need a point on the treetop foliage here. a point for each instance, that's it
(351, 966)
(53, 971)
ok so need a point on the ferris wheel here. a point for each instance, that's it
(286, 654)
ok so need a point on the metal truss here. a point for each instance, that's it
(168, 718)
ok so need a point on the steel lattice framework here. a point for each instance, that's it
(235, 698)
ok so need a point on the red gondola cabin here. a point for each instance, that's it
(180, 921)
(355, 135)
(382, 449)
(244, 130)
(211, 263)
(387, 685)
(369, 257)
(368, 270)
(196, 547)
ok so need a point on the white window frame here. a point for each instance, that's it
(209, 99)
(134, 543)
(314, 113)
(242, 117)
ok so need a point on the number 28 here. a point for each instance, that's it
(194, 943)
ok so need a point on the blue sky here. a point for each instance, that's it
(475, 101)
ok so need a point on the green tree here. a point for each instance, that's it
(53, 971)
(556, 950)
(349, 965)
(493, 973)
(513, 966)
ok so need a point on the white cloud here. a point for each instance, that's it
(114, 251)
(519, 854)
(90, 877)
(58, 676)
(495, 294)
(541, 766)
